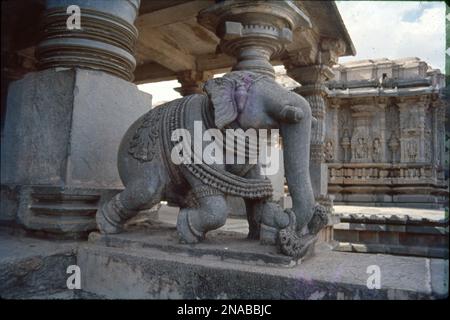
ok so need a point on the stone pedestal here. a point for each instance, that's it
(62, 132)
(223, 268)
(35, 268)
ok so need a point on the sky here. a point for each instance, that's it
(396, 29)
(378, 29)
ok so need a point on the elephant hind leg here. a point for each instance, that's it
(194, 223)
(140, 195)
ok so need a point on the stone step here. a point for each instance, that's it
(420, 251)
(32, 267)
(219, 245)
(68, 209)
(137, 272)
(410, 240)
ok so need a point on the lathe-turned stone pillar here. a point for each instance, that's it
(65, 122)
(104, 39)
(255, 32)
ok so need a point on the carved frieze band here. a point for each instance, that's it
(397, 130)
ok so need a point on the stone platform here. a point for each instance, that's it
(149, 263)
(219, 245)
(151, 273)
(402, 231)
(34, 268)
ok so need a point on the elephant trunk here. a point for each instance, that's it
(296, 142)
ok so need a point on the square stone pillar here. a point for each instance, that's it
(64, 123)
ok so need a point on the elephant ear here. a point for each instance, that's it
(221, 91)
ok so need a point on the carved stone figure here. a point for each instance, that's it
(394, 145)
(360, 150)
(411, 150)
(345, 143)
(238, 100)
(329, 151)
(376, 150)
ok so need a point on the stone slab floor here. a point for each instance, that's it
(36, 268)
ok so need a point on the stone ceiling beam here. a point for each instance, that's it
(215, 62)
(152, 72)
(148, 6)
(170, 15)
(155, 48)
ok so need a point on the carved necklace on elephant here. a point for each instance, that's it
(222, 180)
(242, 150)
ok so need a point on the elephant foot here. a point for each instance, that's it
(105, 219)
(186, 232)
(297, 244)
(273, 219)
(268, 235)
(292, 243)
(318, 220)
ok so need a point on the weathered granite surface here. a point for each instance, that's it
(62, 131)
(30, 266)
(132, 267)
(155, 274)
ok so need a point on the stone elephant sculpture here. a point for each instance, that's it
(242, 100)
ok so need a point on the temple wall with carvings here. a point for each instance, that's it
(384, 136)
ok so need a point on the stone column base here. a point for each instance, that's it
(53, 211)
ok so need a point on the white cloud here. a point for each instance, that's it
(396, 29)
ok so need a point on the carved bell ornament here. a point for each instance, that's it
(254, 31)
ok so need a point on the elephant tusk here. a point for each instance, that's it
(291, 114)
